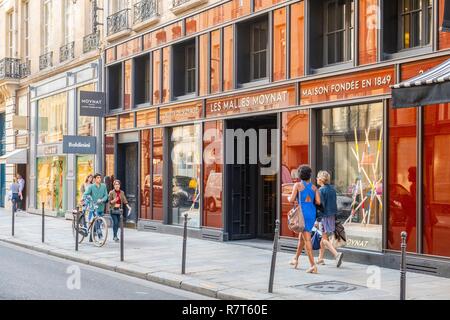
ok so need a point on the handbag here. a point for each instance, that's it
(296, 221)
(337, 242)
(340, 231)
(316, 239)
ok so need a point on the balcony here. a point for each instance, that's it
(25, 69)
(91, 42)
(9, 69)
(67, 52)
(145, 13)
(46, 60)
(118, 24)
(179, 6)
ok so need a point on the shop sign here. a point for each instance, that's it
(79, 145)
(92, 104)
(180, 113)
(20, 122)
(252, 102)
(49, 150)
(360, 84)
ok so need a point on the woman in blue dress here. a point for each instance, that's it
(306, 194)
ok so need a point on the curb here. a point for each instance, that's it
(177, 281)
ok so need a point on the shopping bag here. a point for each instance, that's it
(296, 221)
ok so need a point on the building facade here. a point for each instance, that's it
(318, 71)
(51, 52)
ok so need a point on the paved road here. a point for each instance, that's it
(28, 275)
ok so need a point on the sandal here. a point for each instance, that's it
(293, 261)
(312, 269)
(321, 262)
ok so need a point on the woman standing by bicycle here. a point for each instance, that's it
(116, 201)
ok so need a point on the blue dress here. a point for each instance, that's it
(306, 199)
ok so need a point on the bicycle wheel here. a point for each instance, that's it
(99, 231)
(81, 228)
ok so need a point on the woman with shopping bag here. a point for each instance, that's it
(306, 195)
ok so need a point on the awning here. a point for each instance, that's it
(18, 156)
(430, 87)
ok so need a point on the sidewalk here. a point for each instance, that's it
(219, 270)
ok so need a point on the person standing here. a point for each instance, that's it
(327, 218)
(306, 195)
(117, 200)
(14, 189)
(99, 195)
(21, 182)
(87, 183)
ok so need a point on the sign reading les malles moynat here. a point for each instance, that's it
(79, 145)
(92, 104)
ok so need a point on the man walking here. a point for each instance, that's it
(21, 182)
(99, 195)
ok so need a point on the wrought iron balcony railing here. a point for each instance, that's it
(177, 3)
(46, 60)
(118, 21)
(9, 68)
(67, 52)
(145, 10)
(91, 42)
(25, 69)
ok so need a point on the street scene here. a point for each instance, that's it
(208, 150)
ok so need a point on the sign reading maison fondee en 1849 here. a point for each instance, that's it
(92, 104)
(79, 145)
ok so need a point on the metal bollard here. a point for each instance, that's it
(274, 255)
(13, 218)
(403, 267)
(121, 236)
(43, 223)
(77, 228)
(183, 261)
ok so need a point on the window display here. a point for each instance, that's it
(51, 183)
(85, 167)
(352, 151)
(185, 156)
(52, 118)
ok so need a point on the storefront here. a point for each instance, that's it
(55, 114)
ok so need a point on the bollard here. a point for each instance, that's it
(121, 236)
(403, 267)
(274, 255)
(183, 261)
(13, 218)
(77, 228)
(43, 223)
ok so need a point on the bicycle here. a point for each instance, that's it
(97, 228)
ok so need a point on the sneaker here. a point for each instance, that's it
(339, 259)
(116, 239)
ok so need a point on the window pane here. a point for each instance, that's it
(213, 174)
(157, 174)
(228, 60)
(85, 167)
(279, 43)
(331, 18)
(353, 156)
(297, 39)
(436, 210)
(294, 152)
(51, 183)
(215, 61)
(85, 124)
(402, 177)
(340, 47)
(331, 48)
(406, 32)
(186, 153)
(263, 65)
(145, 175)
(156, 77)
(52, 118)
(203, 64)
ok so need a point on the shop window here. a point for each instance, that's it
(185, 174)
(351, 150)
(215, 61)
(157, 174)
(331, 34)
(85, 167)
(51, 184)
(145, 184)
(412, 21)
(436, 180)
(253, 50)
(142, 80)
(115, 87)
(402, 177)
(294, 152)
(213, 174)
(279, 44)
(228, 58)
(52, 118)
(85, 124)
(184, 68)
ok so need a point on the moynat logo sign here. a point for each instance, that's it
(79, 145)
(92, 104)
